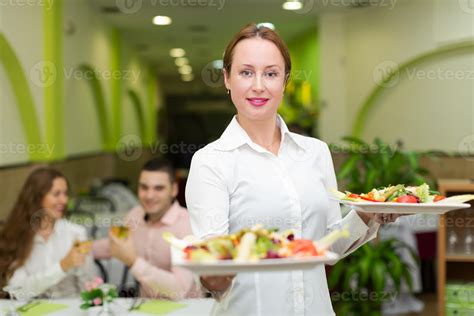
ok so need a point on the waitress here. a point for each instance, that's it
(259, 172)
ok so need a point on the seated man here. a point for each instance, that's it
(145, 252)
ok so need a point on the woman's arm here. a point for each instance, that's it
(362, 228)
(35, 284)
(207, 199)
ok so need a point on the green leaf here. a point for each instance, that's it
(354, 140)
(378, 276)
(351, 273)
(371, 176)
(413, 160)
(335, 274)
(86, 296)
(364, 265)
(85, 306)
(348, 166)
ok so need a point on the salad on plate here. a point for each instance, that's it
(252, 245)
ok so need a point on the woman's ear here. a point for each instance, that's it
(226, 79)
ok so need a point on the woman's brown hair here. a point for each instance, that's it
(253, 30)
(19, 229)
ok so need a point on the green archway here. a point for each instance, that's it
(22, 93)
(99, 101)
(138, 107)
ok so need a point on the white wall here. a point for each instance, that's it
(427, 107)
(89, 43)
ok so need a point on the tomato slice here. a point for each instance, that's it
(406, 199)
(438, 198)
(368, 199)
(303, 248)
(354, 196)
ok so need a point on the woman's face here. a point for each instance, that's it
(256, 79)
(55, 201)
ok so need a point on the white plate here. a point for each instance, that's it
(264, 265)
(405, 208)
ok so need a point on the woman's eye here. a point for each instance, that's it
(272, 74)
(246, 73)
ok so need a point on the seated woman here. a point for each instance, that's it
(40, 251)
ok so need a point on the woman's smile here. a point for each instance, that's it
(258, 102)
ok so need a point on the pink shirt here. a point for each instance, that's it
(153, 269)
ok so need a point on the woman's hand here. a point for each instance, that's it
(381, 218)
(217, 284)
(75, 258)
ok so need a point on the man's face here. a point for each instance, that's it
(155, 191)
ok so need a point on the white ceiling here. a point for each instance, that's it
(201, 27)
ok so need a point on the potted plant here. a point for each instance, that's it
(378, 164)
(97, 296)
(373, 274)
(367, 278)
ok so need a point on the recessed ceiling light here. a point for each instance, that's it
(161, 20)
(185, 70)
(188, 77)
(177, 52)
(181, 61)
(266, 24)
(292, 5)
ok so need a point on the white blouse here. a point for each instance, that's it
(42, 275)
(234, 183)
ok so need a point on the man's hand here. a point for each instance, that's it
(74, 258)
(123, 249)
